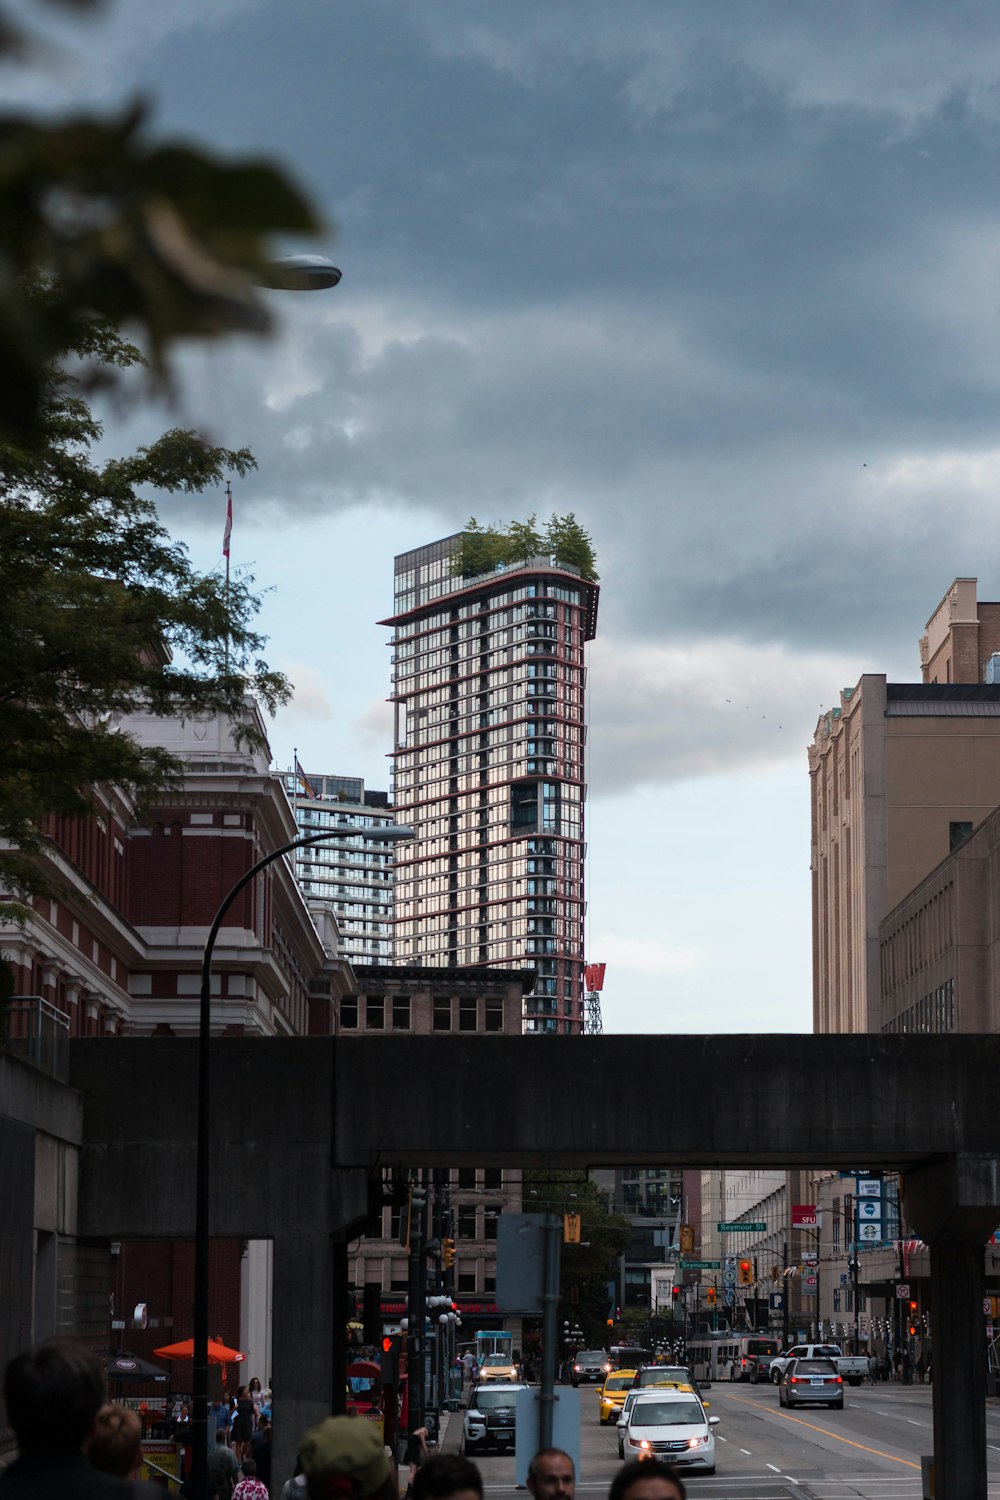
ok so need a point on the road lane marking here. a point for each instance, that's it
(747, 1452)
(787, 1417)
(774, 1467)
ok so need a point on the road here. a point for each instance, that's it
(869, 1451)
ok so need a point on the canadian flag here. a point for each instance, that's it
(229, 523)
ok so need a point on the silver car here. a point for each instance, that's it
(811, 1382)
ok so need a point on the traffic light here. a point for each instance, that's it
(675, 1293)
(744, 1273)
(913, 1309)
(391, 1343)
(710, 1295)
(571, 1229)
(447, 1253)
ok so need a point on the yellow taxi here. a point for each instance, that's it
(613, 1392)
(497, 1367)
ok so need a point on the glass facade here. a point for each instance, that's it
(353, 872)
(488, 684)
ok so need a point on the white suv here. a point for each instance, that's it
(671, 1425)
(490, 1416)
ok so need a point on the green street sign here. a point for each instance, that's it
(700, 1265)
(755, 1228)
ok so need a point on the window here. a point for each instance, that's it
(349, 1013)
(491, 1217)
(957, 834)
(467, 1280)
(442, 1015)
(494, 1015)
(467, 1178)
(375, 1013)
(492, 1178)
(489, 1283)
(467, 1222)
(400, 1012)
(467, 1015)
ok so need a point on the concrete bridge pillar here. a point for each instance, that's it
(309, 1313)
(954, 1205)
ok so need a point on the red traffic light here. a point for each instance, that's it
(675, 1292)
(387, 1343)
(913, 1307)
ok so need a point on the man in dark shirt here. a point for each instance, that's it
(260, 1447)
(53, 1393)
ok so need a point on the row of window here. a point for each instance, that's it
(395, 1013)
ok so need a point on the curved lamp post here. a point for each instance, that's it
(199, 1421)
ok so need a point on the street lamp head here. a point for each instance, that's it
(300, 273)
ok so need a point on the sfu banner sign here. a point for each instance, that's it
(804, 1216)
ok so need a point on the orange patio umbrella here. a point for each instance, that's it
(218, 1354)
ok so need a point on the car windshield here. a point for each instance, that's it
(666, 1413)
(497, 1362)
(591, 1357)
(665, 1375)
(488, 1400)
(618, 1382)
(815, 1367)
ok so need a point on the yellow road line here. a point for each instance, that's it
(787, 1416)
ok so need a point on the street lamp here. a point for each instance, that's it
(199, 1423)
(300, 273)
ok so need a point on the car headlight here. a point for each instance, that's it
(698, 1442)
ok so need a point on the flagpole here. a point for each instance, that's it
(225, 549)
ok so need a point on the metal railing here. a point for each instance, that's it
(34, 1030)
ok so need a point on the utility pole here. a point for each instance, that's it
(417, 1310)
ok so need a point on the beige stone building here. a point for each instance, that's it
(901, 774)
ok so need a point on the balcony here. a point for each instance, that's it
(37, 1033)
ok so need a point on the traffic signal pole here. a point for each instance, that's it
(416, 1373)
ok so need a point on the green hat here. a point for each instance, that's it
(346, 1447)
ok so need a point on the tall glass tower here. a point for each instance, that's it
(489, 689)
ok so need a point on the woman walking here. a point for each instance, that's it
(242, 1424)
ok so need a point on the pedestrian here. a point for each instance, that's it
(53, 1393)
(222, 1466)
(551, 1475)
(115, 1445)
(256, 1395)
(647, 1479)
(921, 1368)
(242, 1424)
(897, 1364)
(448, 1476)
(260, 1450)
(469, 1361)
(345, 1454)
(250, 1487)
(415, 1453)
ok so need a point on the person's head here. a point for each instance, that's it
(343, 1459)
(115, 1446)
(220, 1436)
(448, 1476)
(241, 1392)
(647, 1479)
(551, 1475)
(57, 1376)
(254, 1385)
(249, 1468)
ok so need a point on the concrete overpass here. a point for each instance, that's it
(300, 1124)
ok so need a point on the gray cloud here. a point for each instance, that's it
(720, 279)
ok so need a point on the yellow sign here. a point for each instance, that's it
(571, 1229)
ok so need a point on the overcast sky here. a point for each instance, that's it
(723, 280)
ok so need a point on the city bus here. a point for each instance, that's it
(733, 1356)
